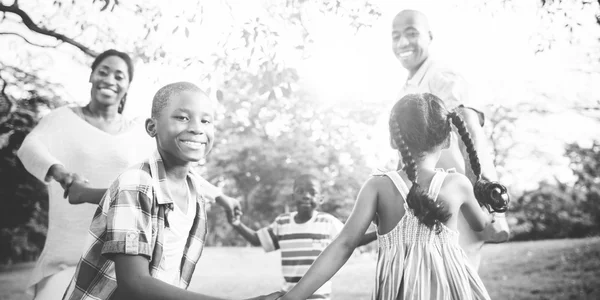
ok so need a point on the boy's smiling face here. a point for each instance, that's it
(184, 129)
(307, 195)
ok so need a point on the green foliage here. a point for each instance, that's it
(271, 132)
(24, 217)
(558, 19)
(552, 212)
(558, 210)
(585, 163)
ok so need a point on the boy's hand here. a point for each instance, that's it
(236, 220)
(272, 296)
(231, 205)
(76, 188)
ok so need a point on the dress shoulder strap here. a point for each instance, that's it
(436, 183)
(399, 183)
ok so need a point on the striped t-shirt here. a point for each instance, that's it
(300, 245)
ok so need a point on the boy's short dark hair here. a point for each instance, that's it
(161, 98)
(304, 178)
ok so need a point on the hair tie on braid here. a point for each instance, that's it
(493, 195)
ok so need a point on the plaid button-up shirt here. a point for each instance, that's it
(131, 219)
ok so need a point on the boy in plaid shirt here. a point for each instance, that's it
(148, 231)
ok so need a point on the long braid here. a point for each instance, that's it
(429, 212)
(493, 195)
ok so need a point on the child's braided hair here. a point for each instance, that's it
(419, 123)
(493, 195)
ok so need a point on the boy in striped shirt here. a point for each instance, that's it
(301, 235)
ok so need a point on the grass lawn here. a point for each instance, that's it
(551, 269)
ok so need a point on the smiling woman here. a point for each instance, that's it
(112, 72)
(83, 149)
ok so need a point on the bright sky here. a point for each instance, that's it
(494, 52)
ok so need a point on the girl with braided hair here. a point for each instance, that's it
(416, 211)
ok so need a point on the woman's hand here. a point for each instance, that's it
(61, 175)
(79, 185)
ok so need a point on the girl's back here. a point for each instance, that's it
(416, 213)
(415, 261)
(390, 209)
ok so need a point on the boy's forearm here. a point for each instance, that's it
(249, 234)
(220, 200)
(92, 196)
(147, 287)
(135, 282)
(229, 204)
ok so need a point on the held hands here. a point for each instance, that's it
(232, 207)
(498, 231)
(237, 218)
(77, 189)
(72, 183)
(62, 176)
(272, 296)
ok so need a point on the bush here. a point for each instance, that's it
(554, 211)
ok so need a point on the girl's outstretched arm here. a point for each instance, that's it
(338, 252)
(461, 187)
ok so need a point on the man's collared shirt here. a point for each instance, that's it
(434, 78)
(431, 77)
(131, 219)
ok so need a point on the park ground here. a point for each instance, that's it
(549, 269)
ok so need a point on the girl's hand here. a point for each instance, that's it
(272, 296)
